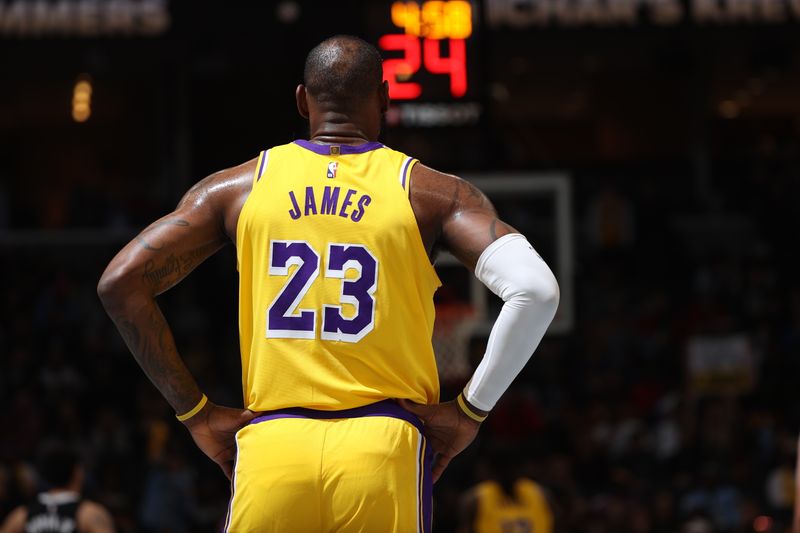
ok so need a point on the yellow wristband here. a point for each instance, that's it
(196, 409)
(467, 411)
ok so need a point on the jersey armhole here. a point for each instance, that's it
(405, 174)
(261, 166)
(405, 183)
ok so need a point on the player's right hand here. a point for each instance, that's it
(448, 430)
(214, 430)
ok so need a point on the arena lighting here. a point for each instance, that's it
(288, 12)
(82, 99)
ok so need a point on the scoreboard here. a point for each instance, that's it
(430, 61)
(427, 29)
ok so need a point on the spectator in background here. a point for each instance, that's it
(716, 498)
(60, 508)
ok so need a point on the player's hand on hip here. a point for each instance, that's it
(214, 430)
(448, 430)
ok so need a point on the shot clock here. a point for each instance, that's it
(429, 61)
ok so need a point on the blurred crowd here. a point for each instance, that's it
(613, 420)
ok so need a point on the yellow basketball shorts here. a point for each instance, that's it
(364, 469)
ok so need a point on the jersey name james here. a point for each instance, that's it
(332, 201)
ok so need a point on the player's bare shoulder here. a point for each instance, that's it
(225, 192)
(437, 196)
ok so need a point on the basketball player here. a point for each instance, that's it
(507, 503)
(334, 238)
(61, 508)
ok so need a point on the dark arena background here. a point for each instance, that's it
(649, 149)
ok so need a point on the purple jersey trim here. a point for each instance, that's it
(233, 489)
(403, 172)
(383, 408)
(261, 165)
(345, 149)
(427, 489)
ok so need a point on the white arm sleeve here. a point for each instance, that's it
(512, 269)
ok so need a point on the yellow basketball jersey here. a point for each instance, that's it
(528, 512)
(335, 286)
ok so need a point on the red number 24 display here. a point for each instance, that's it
(426, 26)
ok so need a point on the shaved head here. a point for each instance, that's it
(343, 71)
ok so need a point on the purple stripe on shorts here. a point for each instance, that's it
(405, 169)
(345, 149)
(388, 408)
(233, 490)
(427, 489)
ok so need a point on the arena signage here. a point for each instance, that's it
(83, 18)
(427, 115)
(620, 13)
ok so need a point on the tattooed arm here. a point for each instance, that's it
(157, 259)
(453, 214)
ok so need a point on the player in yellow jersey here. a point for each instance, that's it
(507, 503)
(342, 429)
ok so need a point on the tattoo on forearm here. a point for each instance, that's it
(150, 340)
(144, 329)
(168, 222)
(192, 258)
(146, 245)
(163, 275)
(130, 334)
(154, 275)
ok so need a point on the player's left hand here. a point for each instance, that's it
(214, 431)
(448, 430)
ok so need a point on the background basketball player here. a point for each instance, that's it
(60, 508)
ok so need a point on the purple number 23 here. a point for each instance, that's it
(286, 321)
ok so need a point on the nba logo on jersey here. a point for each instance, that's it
(332, 169)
